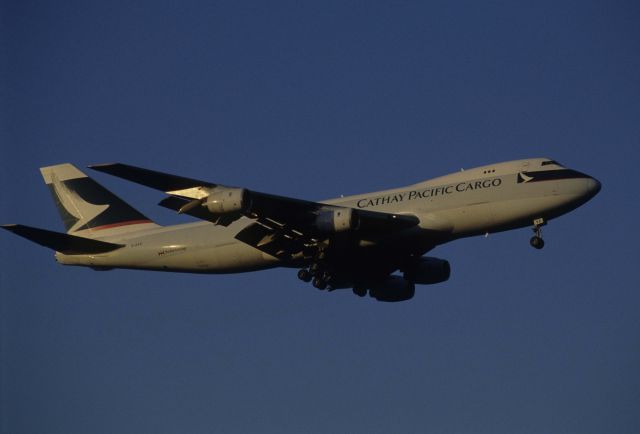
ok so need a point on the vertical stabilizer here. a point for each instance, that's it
(86, 207)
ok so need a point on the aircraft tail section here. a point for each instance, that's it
(86, 207)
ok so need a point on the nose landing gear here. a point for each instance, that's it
(536, 241)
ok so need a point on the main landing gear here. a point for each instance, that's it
(318, 278)
(317, 273)
(536, 241)
(305, 275)
(360, 291)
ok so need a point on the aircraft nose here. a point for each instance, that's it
(593, 186)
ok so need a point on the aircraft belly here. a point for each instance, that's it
(460, 220)
(199, 249)
(523, 211)
(230, 258)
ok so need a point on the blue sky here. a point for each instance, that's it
(314, 100)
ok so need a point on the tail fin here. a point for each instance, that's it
(84, 205)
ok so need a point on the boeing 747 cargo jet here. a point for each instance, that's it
(356, 242)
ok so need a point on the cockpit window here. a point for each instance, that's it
(548, 162)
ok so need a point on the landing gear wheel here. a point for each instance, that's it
(304, 275)
(319, 283)
(360, 291)
(536, 242)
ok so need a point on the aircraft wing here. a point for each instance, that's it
(283, 226)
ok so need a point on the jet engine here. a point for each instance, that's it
(393, 288)
(338, 220)
(225, 200)
(427, 271)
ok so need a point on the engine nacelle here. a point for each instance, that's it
(225, 200)
(393, 288)
(428, 271)
(338, 220)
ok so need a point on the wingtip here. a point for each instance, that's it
(100, 165)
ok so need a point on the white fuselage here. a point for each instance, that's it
(481, 200)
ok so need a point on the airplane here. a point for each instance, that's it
(373, 243)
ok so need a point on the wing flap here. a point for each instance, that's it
(63, 243)
(273, 239)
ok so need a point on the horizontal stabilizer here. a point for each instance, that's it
(63, 243)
